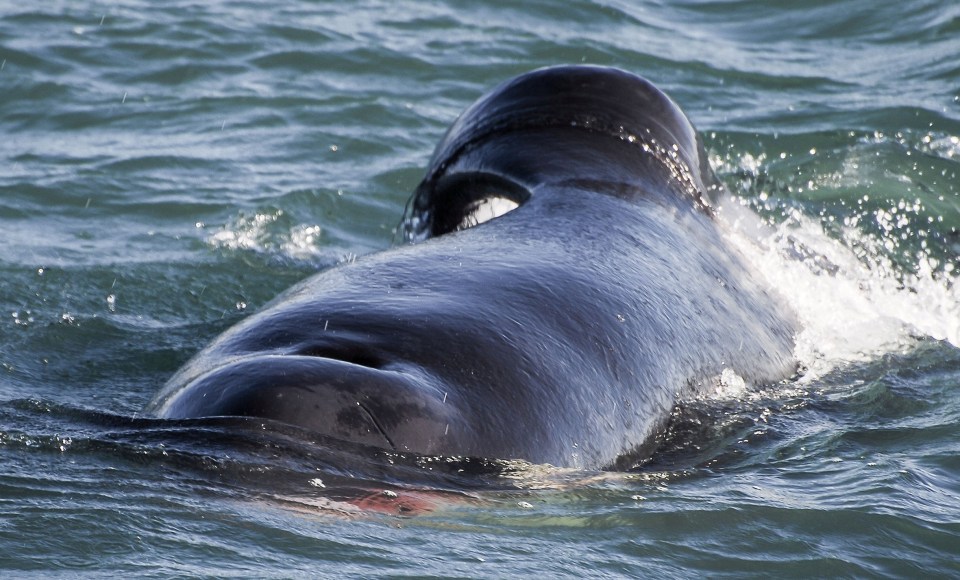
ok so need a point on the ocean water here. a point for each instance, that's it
(167, 168)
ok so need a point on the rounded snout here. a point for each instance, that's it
(381, 408)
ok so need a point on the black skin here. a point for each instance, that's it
(562, 332)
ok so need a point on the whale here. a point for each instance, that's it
(564, 282)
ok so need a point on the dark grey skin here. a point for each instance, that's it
(561, 332)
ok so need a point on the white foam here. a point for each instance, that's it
(852, 301)
(268, 232)
(245, 232)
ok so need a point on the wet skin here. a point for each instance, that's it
(560, 332)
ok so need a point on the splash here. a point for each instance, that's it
(270, 232)
(856, 296)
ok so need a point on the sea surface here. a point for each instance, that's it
(168, 167)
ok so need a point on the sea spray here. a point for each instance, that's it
(854, 301)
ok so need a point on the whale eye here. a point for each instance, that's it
(467, 200)
(485, 210)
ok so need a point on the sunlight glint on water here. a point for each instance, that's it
(191, 160)
(851, 308)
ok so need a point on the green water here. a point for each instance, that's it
(167, 168)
